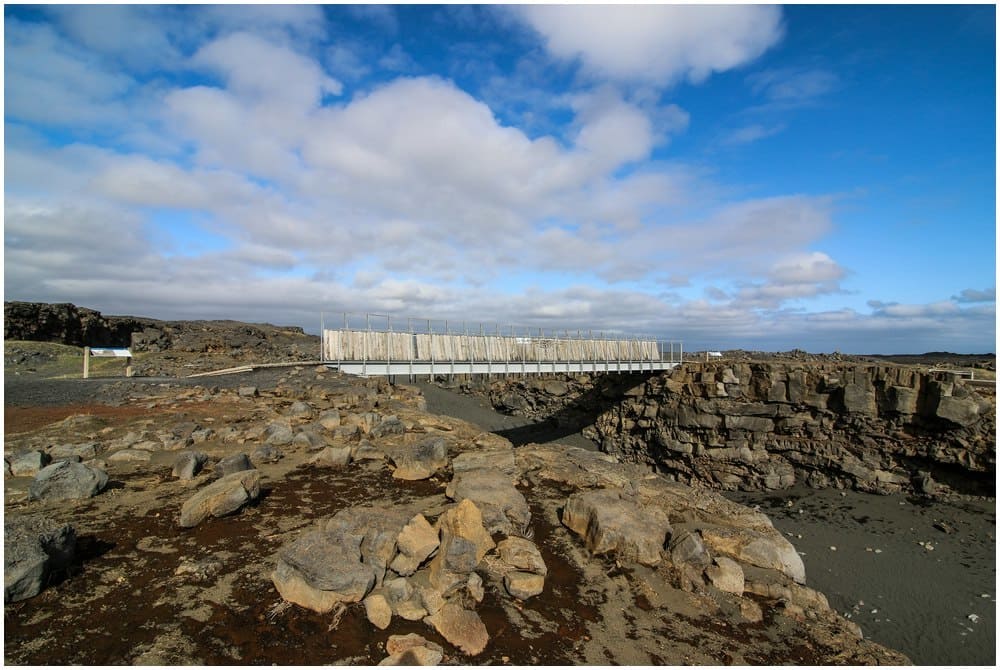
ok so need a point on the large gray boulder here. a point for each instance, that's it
(231, 464)
(390, 425)
(278, 433)
(321, 569)
(34, 549)
(64, 480)
(420, 460)
(611, 521)
(28, 463)
(503, 507)
(222, 497)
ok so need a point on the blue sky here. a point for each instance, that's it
(760, 177)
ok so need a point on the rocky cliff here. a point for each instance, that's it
(876, 428)
(233, 340)
(879, 428)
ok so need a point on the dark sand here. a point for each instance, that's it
(863, 551)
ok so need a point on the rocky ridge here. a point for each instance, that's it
(419, 539)
(161, 347)
(878, 428)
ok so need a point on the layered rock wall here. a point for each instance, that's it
(753, 426)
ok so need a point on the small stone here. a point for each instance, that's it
(411, 610)
(973, 618)
(378, 611)
(523, 585)
(475, 587)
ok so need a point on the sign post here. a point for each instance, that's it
(106, 352)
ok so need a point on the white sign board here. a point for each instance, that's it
(110, 352)
(715, 354)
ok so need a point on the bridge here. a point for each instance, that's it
(426, 347)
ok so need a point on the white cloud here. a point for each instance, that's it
(792, 87)
(257, 70)
(50, 81)
(749, 134)
(135, 35)
(660, 44)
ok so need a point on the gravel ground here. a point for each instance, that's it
(25, 391)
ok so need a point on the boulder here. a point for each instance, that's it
(336, 457)
(248, 392)
(753, 547)
(464, 543)
(321, 569)
(420, 460)
(726, 575)
(129, 456)
(35, 548)
(389, 425)
(265, 453)
(366, 451)
(28, 463)
(961, 411)
(412, 649)
(503, 507)
(308, 440)
(687, 548)
(188, 464)
(329, 419)
(521, 554)
(85, 451)
(64, 480)
(300, 409)
(378, 611)
(222, 497)
(416, 542)
(523, 585)
(501, 459)
(461, 627)
(232, 464)
(611, 521)
(278, 433)
(374, 530)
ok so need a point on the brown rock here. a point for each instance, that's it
(461, 627)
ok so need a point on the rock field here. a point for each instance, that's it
(304, 517)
